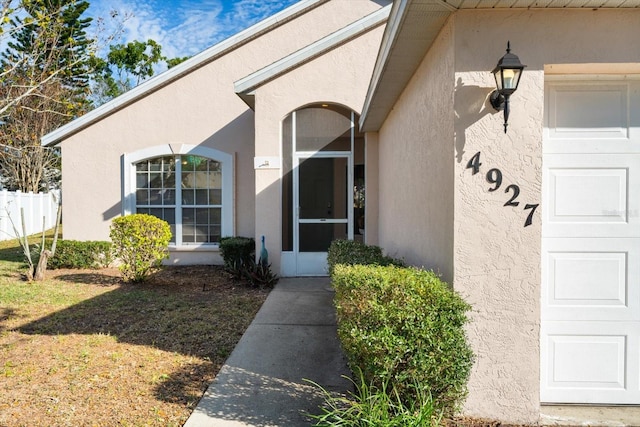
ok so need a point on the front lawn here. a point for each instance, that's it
(82, 348)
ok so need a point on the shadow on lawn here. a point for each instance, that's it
(181, 319)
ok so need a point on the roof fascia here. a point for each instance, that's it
(389, 41)
(371, 120)
(245, 87)
(197, 61)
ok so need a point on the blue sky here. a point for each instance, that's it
(183, 27)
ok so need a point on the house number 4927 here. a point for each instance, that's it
(494, 178)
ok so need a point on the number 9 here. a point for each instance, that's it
(494, 176)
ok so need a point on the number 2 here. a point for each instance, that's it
(516, 193)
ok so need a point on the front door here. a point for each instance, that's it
(322, 152)
(321, 184)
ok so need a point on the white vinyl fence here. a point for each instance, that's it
(36, 207)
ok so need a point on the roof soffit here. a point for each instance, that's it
(413, 27)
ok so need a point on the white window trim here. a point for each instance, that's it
(128, 181)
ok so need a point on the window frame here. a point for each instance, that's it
(129, 160)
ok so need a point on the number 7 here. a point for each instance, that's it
(530, 216)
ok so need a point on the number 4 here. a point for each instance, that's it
(474, 163)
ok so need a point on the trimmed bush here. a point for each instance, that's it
(405, 326)
(77, 254)
(350, 252)
(237, 252)
(141, 243)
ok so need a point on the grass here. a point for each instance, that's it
(82, 348)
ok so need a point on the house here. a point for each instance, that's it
(277, 131)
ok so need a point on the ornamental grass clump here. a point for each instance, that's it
(141, 243)
(404, 326)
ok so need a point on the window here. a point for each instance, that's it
(190, 191)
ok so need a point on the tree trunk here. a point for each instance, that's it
(41, 268)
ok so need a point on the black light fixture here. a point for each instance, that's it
(507, 74)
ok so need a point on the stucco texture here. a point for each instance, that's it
(416, 186)
(447, 219)
(200, 108)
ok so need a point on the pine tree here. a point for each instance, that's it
(45, 76)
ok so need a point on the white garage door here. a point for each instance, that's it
(590, 336)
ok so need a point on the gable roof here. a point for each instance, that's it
(180, 70)
(413, 27)
(245, 87)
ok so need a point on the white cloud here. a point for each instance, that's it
(184, 27)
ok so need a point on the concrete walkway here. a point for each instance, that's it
(292, 338)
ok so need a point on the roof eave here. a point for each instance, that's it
(390, 78)
(246, 87)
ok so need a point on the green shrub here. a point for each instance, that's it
(350, 252)
(237, 252)
(140, 242)
(77, 254)
(259, 274)
(404, 325)
(376, 406)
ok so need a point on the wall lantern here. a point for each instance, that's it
(507, 74)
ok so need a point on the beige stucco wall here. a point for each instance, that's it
(497, 259)
(199, 109)
(341, 76)
(453, 223)
(415, 165)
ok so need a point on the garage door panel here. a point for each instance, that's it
(589, 195)
(591, 279)
(592, 117)
(590, 296)
(596, 367)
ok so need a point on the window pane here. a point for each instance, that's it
(155, 180)
(202, 197)
(188, 197)
(214, 234)
(188, 216)
(202, 234)
(142, 197)
(142, 180)
(169, 197)
(215, 215)
(155, 197)
(215, 197)
(142, 166)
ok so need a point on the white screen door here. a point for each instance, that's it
(321, 184)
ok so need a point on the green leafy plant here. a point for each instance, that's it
(78, 254)
(259, 274)
(379, 406)
(141, 243)
(351, 252)
(406, 326)
(237, 252)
